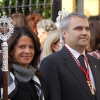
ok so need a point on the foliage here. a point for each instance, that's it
(45, 12)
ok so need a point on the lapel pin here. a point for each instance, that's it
(95, 66)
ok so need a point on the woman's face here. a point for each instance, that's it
(23, 52)
(56, 46)
(42, 35)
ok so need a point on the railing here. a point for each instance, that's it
(27, 7)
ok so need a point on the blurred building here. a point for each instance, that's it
(88, 7)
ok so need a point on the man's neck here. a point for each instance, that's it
(75, 52)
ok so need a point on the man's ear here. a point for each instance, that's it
(64, 33)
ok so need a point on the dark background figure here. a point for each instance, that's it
(56, 7)
(94, 18)
(95, 39)
(0, 44)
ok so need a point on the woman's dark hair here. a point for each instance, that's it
(95, 35)
(17, 34)
(94, 18)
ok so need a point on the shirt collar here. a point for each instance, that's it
(75, 53)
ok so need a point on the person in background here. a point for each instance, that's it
(51, 44)
(19, 19)
(72, 74)
(43, 28)
(23, 57)
(95, 39)
(94, 18)
(37, 11)
(33, 19)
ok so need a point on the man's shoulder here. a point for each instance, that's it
(54, 55)
(60, 53)
(57, 56)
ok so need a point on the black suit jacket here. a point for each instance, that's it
(64, 79)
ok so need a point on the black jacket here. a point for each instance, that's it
(27, 90)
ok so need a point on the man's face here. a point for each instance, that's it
(78, 34)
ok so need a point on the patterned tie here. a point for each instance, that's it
(81, 60)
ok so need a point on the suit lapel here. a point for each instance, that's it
(73, 67)
(95, 67)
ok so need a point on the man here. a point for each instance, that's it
(65, 76)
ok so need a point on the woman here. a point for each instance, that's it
(19, 19)
(43, 28)
(33, 19)
(51, 44)
(95, 39)
(23, 56)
